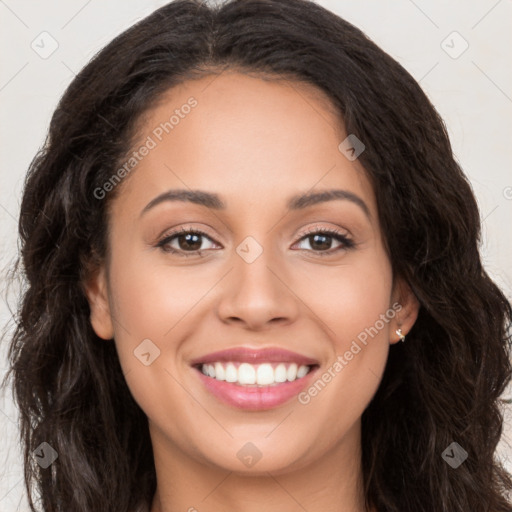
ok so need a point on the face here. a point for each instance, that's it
(259, 305)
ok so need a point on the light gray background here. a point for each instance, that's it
(472, 92)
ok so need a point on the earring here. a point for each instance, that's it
(400, 335)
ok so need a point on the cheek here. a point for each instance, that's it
(360, 306)
(160, 303)
(152, 298)
(353, 304)
(349, 298)
(150, 304)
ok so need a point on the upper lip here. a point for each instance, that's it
(254, 356)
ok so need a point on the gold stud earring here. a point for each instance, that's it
(400, 335)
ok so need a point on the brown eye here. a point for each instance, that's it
(321, 241)
(189, 242)
(185, 242)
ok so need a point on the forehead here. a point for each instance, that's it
(250, 139)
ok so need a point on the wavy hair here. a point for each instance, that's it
(442, 386)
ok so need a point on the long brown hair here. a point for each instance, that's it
(442, 386)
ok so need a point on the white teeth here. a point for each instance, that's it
(220, 374)
(246, 374)
(231, 373)
(280, 373)
(302, 371)
(291, 374)
(265, 374)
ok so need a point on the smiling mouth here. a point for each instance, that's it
(255, 379)
(255, 375)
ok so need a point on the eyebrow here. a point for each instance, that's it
(297, 202)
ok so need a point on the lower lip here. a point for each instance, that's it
(255, 398)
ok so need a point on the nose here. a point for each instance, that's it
(257, 295)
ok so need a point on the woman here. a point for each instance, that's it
(254, 280)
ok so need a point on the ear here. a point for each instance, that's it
(406, 305)
(96, 290)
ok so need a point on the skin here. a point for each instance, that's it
(255, 143)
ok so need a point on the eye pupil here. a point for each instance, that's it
(190, 243)
(193, 240)
(323, 244)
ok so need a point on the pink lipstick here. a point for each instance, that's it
(255, 379)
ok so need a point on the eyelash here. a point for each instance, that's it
(346, 242)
